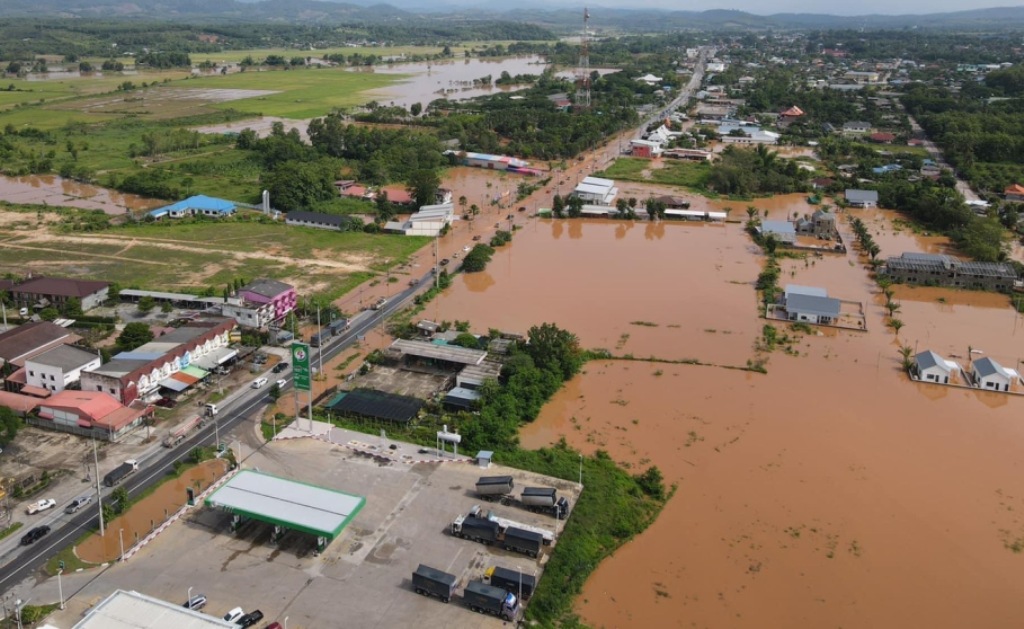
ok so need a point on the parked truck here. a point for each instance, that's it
(487, 532)
(536, 499)
(319, 339)
(494, 487)
(545, 500)
(519, 582)
(488, 599)
(178, 435)
(120, 472)
(338, 326)
(431, 582)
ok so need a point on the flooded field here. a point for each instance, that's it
(450, 79)
(831, 491)
(57, 191)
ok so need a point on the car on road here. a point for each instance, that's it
(466, 248)
(250, 619)
(477, 237)
(279, 367)
(197, 602)
(258, 383)
(377, 305)
(413, 282)
(41, 505)
(234, 614)
(280, 383)
(77, 503)
(444, 261)
(34, 535)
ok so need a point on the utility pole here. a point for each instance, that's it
(99, 494)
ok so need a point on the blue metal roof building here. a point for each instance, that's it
(199, 204)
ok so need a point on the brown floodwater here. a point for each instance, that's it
(831, 491)
(450, 79)
(57, 191)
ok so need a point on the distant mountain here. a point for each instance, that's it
(531, 11)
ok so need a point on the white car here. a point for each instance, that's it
(280, 383)
(258, 383)
(466, 248)
(234, 614)
(40, 506)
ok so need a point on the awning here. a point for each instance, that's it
(214, 359)
(28, 389)
(173, 385)
(181, 376)
(195, 372)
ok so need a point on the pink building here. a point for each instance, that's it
(266, 291)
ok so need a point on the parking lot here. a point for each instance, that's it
(363, 578)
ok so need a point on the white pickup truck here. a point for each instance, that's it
(40, 506)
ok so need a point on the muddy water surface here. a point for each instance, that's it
(57, 191)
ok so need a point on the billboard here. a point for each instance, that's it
(300, 366)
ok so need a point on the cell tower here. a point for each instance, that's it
(583, 71)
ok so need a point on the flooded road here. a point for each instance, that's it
(57, 191)
(455, 80)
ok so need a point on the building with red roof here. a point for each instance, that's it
(55, 291)
(95, 411)
(1014, 193)
(882, 138)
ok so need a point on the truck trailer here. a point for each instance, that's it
(318, 339)
(487, 532)
(494, 487)
(488, 599)
(432, 582)
(519, 582)
(545, 500)
(120, 472)
(338, 326)
(178, 435)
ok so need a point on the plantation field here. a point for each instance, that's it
(193, 255)
(47, 91)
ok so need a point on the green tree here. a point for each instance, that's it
(423, 185)
(119, 500)
(10, 423)
(72, 307)
(416, 109)
(146, 304)
(554, 349)
(134, 335)
(49, 314)
(558, 206)
(465, 339)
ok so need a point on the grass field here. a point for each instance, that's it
(675, 173)
(235, 56)
(29, 91)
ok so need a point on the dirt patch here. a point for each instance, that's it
(149, 513)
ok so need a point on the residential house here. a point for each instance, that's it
(90, 413)
(596, 191)
(19, 344)
(492, 162)
(671, 202)
(882, 138)
(695, 155)
(862, 77)
(861, 198)
(931, 367)
(932, 269)
(266, 291)
(54, 370)
(821, 224)
(397, 195)
(782, 231)
(1014, 193)
(822, 183)
(351, 189)
(856, 127)
(430, 220)
(40, 292)
(319, 220)
(886, 169)
(810, 304)
(791, 114)
(645, 148)
(250, 314)
(988, 374)
(650, 79)
(198, 205)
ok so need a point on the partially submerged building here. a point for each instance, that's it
(931, 269)
(861, 198)
(596, 191)
(810, 304)
(781, 231)
(931, 367)
(990, 375)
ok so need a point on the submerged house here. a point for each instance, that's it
(931, 367)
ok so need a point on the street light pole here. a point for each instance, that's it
(60, 587)
(120, 538)
(99, 493)
(189, 599)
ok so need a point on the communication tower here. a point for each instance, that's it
(583, 71)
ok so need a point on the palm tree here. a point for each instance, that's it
(905, 352)
(892, 306)
(462, 203)
(895, 324)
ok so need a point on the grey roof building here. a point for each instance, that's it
(862, 198)
(267, 287)
(812, 308)
(30, 339)
(931, 367)
(315, 219)
(941, 270)
(988, 374)
(783, 231)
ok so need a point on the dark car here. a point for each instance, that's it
(250, 619)
(279, 367)
(34, 535)
(444, 261)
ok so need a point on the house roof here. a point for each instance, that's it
(60, 286)
(985, 367)
(198, 202)
(856, 124)
(379, 405)
(797, 289)
(267, 287)
(882, 137)
(861, 196)
(17, 402)
(27, 338)
(65, 357)
(793, 111)
(812, 304)
(397, 194)
(928, 359)
(822, 214)
(777, 227)
(447, 353)
(1015, 189)
(93, 405)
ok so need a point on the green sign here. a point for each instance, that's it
(300, 366)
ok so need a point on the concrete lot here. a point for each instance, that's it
(400, 382)
(363, 578)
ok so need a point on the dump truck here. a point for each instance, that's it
(432, 582)
(181, 431)
(338, 326)
(494, 487)
(519, 582)
(488, 599)
(320, 338)
(487, 532)
(545, 500)
(477, 512)
(120, 472)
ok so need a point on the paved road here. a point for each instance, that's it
(244, 404)
(935, 153)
